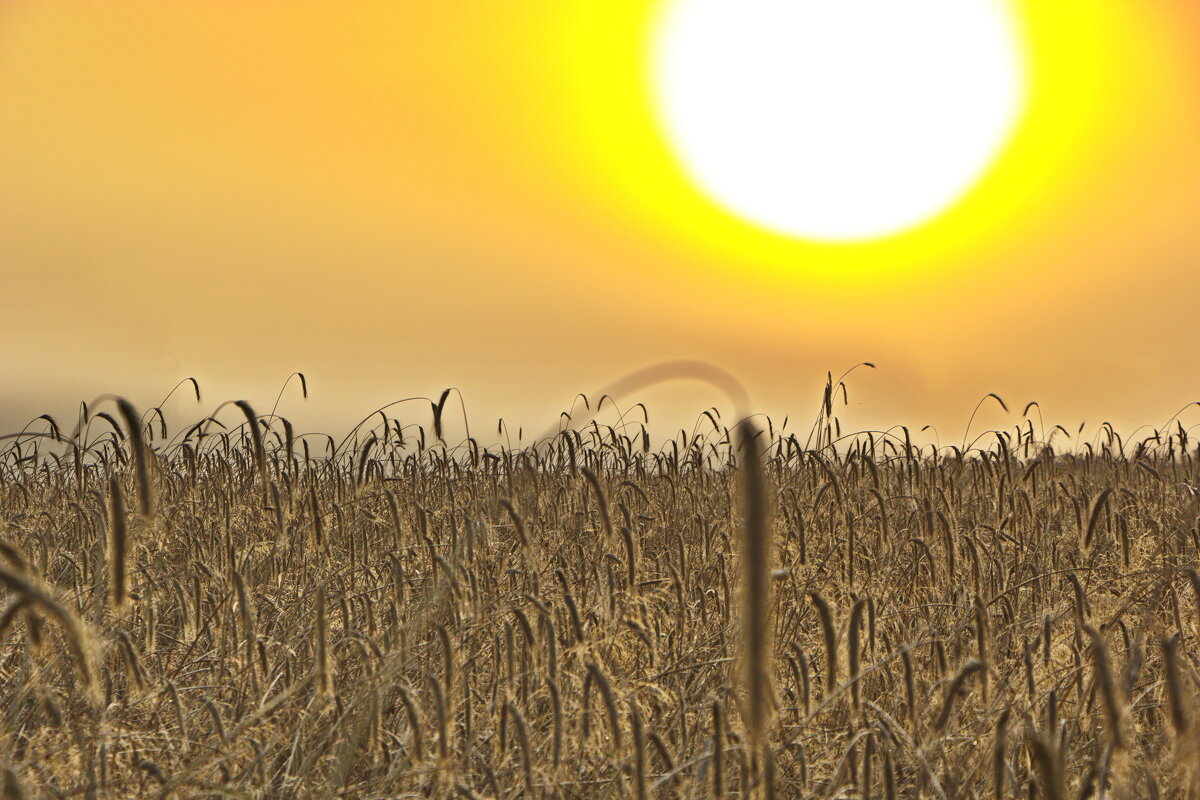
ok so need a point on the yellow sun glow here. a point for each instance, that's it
(1066, 121)
(837, 119)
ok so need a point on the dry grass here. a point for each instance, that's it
(742, 613)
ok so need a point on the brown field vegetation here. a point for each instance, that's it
(238, 610)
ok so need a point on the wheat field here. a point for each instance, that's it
(234, 609)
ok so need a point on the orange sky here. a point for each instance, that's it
(395, 197)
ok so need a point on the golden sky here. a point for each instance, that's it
(395, 197)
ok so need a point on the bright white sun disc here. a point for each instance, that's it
(837, 120)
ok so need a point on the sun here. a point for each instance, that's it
(837, 120)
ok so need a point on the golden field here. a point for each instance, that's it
(234, 608)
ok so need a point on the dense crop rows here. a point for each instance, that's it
(242, 611)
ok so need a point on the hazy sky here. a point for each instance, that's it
(395, 197)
